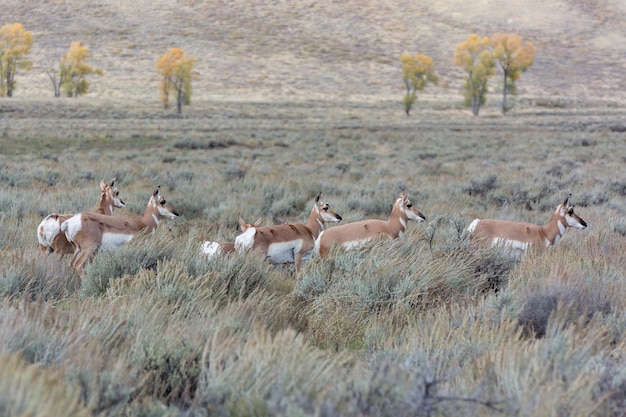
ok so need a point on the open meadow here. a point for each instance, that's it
(293, 98)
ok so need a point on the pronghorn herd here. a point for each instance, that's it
(85, 233)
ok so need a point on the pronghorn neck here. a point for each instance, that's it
(106, 205)
(151, 217)
(397, 220)
(555, 229)
(315, 223)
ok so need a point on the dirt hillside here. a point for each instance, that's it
(323, 49)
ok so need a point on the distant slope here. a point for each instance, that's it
(322, 49)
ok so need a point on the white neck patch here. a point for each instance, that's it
(403, 224)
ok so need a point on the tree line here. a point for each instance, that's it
(70, 73)
(477, 57)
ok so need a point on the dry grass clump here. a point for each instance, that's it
(29, 390)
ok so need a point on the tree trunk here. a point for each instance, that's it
(504, 91)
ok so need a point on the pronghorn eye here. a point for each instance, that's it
(409, 205)
(570, 211)
(325, 208)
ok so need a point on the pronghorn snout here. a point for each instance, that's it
(578, 223)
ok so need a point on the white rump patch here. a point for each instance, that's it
(244, 241)
(210, 249)
(48, 229)
(72, 226)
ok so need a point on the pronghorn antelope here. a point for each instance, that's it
(92, 231)
(517, 237)
(288, 243)
(211, 249)
(354, 234)
(49, 231)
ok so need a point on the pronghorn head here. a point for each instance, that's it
(111, 193)
(566, 211)
(406, 207)
(245, 226)
(164, 208)
(324, 211)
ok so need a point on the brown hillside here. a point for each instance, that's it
(321, 49)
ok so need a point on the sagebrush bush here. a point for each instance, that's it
(143, 252)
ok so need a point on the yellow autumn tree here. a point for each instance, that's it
(514, 56)
(73, 71)
(175, 69)
(476, 60)
(15, 45)
(417, 72)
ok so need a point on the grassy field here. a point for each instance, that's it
(421, 326)
(293, 99)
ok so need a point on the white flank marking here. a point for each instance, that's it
(355, 243)
(114, 240)
(514, 248)
(513, 244)
(281, 252)
(472, 226)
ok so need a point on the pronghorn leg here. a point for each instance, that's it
(297, 259)
(85, 255)
(77, 251)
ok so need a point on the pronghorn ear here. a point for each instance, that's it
(258, 221)
(566, 201)
(113, 182)
(562, 208)
(320, 197)
(157, 191)
(403, 194)
(102, 185)
(240, 221)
